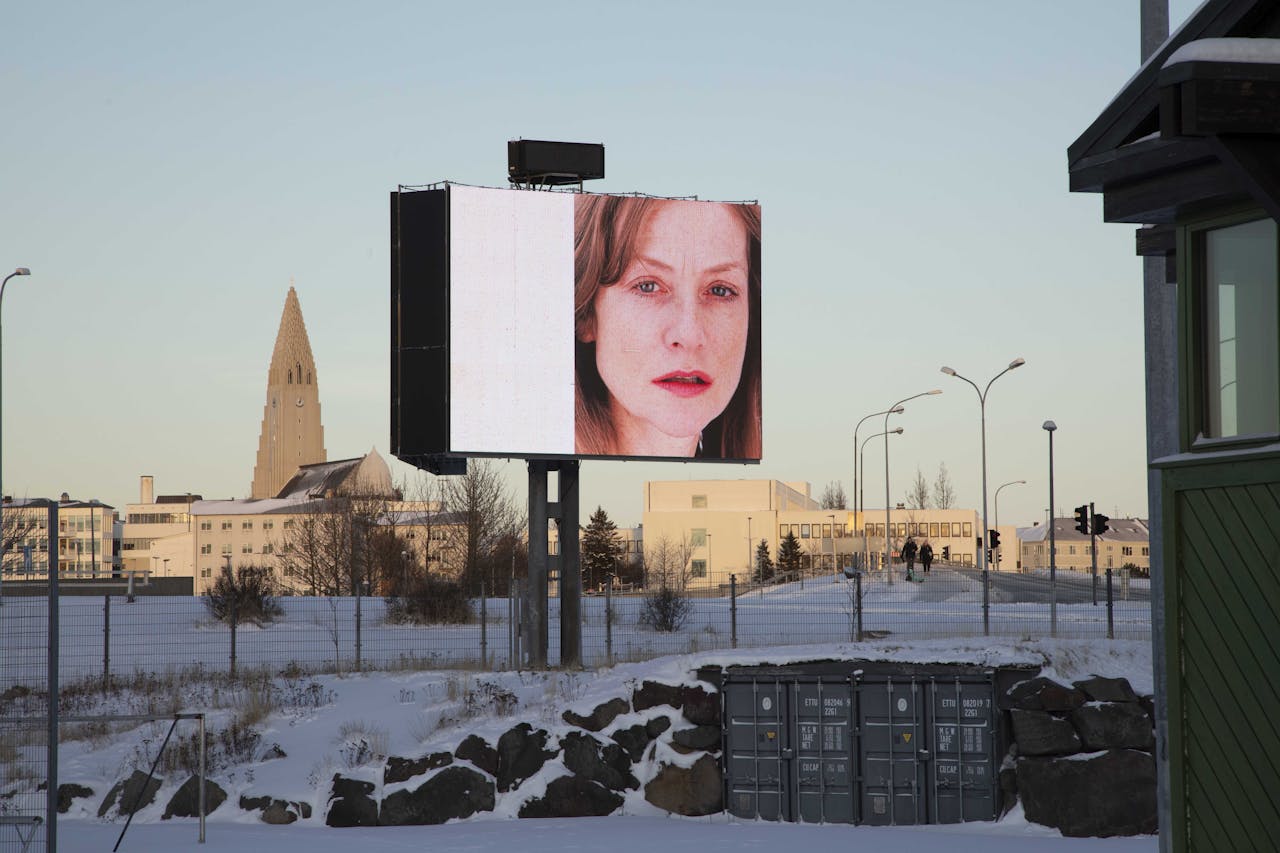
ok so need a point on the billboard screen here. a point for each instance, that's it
(536, 324)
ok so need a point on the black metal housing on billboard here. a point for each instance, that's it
(553, 163)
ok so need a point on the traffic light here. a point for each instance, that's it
(946, 553)
(1082, 519)
(1100, 523)
(993, 539)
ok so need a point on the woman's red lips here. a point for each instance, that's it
(684, 384)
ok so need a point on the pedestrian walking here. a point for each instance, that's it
(909, 554)
(926, 556)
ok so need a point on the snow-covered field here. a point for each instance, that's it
(159, 635)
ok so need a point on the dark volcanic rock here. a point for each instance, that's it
(521, 753)
(69, 791)
(456, 792)
(1041, 733)
(633, 739)
(572, 796)
(607, 764)
(350, 803)
(1113, 725)
(476, 750)
(695, 739)
(1101, 689)
(604, 714)
(133, 793)
(254, 804)
(403, 769)
(651, 694)
(694, 791)
(700, 707)
(1112, 794)
(278, 814)
(1042, 694)
(657, 726)
(186, 800)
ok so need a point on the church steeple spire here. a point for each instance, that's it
(292, 434)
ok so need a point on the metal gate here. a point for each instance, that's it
(876, 749)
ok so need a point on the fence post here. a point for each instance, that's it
(1111, 625)
(858, 583)
(235, 618)
(608, 620)
(484, 627)
(358, 662)
(106, 643)
(733, 610)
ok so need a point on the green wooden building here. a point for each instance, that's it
(1190, 150)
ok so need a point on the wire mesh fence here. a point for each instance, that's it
(23, 747)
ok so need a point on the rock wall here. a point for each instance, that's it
(1082, 758)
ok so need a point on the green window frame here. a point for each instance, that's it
(1229, 307)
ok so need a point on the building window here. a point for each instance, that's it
(1237, 305)
(206, 573)
(826, 531)
(1144, 552)
(206, 549)
(268, 525)
(698, 537)
(698, 569)
(246, 548)
(246, 525)
(226, 525)
(804, 531)
(699, 501)
(226, 549)
(957, 530)
(206, 525)
(902, 530)
(288, 523)
(795, 530)
(268, 548)
(1127, 551)
(782, 531)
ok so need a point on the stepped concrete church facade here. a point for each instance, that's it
(292, 435)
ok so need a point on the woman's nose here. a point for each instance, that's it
(685, 327)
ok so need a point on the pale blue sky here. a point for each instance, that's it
(168, 166)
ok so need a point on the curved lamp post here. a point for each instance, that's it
(996, 501)
(888, 562)
(17, 272)
(982, 552)
(857, 463)
(866, 540)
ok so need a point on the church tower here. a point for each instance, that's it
(291, 431)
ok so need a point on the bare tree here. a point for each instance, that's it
(341, 545)
(486, 512)
(944, 496)
(666, 563)
(918, 494)
(833, 496)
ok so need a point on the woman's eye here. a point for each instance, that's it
(722, 291)
(646, 286)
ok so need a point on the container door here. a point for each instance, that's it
(963, 771)
(824, 781)
(892, 757)
(758, 751)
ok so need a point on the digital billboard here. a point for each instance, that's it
(546, 324)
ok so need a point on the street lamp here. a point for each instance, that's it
(858, 463)
(887, 538)
(834, 568)
(18, 271)
(982, 552)
(752, 574)
(1049, 427)
(866, 540)
(996, 501)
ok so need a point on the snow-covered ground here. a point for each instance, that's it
(590, 835)
(159, 635)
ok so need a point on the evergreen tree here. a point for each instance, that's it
(602, 548)
(764, 563)
(789, 557)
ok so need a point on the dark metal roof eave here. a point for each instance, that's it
(1140, 96)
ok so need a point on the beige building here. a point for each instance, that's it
(292, 435)
(715, 526)
(157, 533)
(1127, 541)
(85, 538)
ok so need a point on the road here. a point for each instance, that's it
(1073, 587)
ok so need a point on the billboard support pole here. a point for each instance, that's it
(570, 567)
(536, 617)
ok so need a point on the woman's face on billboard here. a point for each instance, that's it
(671, 333)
